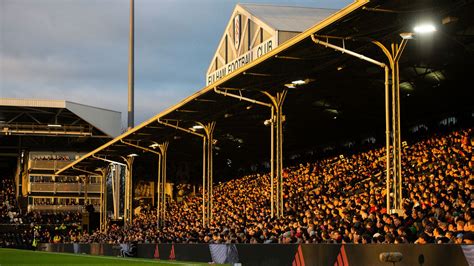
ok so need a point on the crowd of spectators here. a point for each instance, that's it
(335, 200)
(143, 190)
(18, 229)
(17, 239)
(183, 191)
(9, 211)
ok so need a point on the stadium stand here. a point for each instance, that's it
(18, 229)
(333, 200)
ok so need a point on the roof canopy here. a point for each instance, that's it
(342, 98)
(57, 117)
(52, 125)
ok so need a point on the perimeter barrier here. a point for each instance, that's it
(284, 254)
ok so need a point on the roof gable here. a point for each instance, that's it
(254, 30)
(288, 18)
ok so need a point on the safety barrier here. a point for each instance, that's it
(283, 254)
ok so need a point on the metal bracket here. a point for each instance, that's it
(344, 50)
(107, 160)
(240, 97)
(180, 128)
(139, 147)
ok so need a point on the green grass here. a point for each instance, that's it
(27, 257)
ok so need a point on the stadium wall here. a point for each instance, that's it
(281, 254)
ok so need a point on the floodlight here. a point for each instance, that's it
(299, 82)
(424, 28)
(407, 35)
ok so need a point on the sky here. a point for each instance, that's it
(77, 50)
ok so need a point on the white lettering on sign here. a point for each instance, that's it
(242, 60)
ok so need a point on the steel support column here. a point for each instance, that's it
(276, 159)
(101, 213)
(116, 189)
(128, 208)
(86, 189)
(394, 202)
(208, 144)
(204, 163)
(204, 179)
(276, 145)
(163, 148)
(115, 183)
(393, 185)
(272, 166)
(158, 191)
(161, 215)
(103, 196)
(103, 199)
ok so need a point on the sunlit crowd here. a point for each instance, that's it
(333, 200)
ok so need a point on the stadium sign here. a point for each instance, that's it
(242, 60)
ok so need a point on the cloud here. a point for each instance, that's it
(78, 50)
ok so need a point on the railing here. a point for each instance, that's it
(47, 164)
(58, 208)
(54, 187)
(45, 130)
